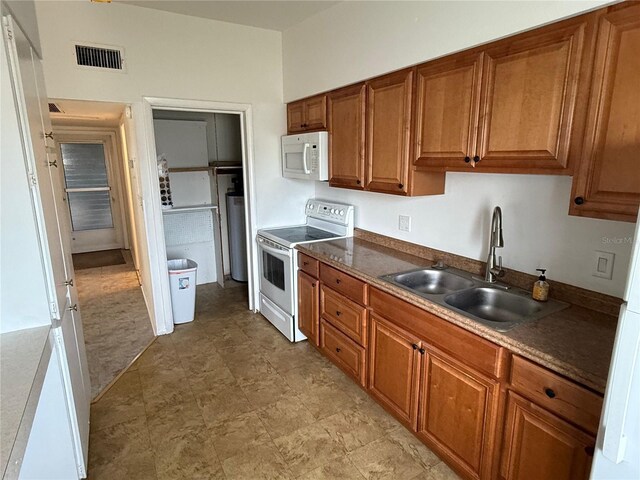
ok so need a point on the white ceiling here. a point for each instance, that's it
(87, 113)
(272, 15)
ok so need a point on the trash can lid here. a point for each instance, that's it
(181, 265)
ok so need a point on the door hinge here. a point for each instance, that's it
(53, 308)
(33, 179)
(9, 33)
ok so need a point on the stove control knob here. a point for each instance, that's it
(333, 210)
(341, 212)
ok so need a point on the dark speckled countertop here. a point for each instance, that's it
(575, 342)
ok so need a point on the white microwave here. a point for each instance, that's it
(305, 156)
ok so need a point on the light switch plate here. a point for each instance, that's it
(404, 223)
(603, 264)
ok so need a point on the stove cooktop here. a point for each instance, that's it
(299, 234)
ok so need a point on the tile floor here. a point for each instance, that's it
(114, 318)
(227, 397)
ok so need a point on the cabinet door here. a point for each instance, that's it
(308, 310)
(607, 184)
(458, 413)
(315, 113)
(447, 105)
(26, 70)
(539, 446)
(346, 111)
(295, 117)
(530, 87)
(394, 369)
(388, 132)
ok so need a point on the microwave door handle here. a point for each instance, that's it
(305, 147)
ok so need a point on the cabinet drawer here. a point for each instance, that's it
(476, 352)
(344, 314)
(344, 352)
(557, 394)
(345, 284)
(308, 265)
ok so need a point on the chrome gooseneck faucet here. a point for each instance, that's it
(494, 270)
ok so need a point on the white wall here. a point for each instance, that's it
(178, 56)
(538, 233)
(356, 40)
(353, 41)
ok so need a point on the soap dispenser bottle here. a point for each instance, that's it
(541, 287)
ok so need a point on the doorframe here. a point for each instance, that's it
(110, 138)
(153, 212)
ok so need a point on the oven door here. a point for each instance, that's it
(276, 273)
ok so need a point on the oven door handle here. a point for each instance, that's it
(275, 251)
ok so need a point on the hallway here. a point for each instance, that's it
(228, 397)
(115, 320)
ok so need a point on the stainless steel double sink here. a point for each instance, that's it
(497, 306)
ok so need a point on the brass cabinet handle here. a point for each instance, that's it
(74, 307)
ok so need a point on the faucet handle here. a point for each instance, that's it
(500, 272)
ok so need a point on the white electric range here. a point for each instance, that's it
(279, 263)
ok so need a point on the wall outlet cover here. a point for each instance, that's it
(603, 264)
(404, 223)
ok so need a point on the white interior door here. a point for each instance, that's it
(92, 195)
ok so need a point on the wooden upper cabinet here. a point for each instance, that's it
(346, 112)
(539, 446)
(388, 127)
(316, 113)
(307, 115)
(530, 90)
(607, 182)
(458, 414)
(295, 117)
(394, 369)
(446, 113)
(308, 308)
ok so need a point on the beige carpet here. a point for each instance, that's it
(104, 258)
(115, 320)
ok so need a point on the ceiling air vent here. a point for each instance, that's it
(99, 57)
(53, 108)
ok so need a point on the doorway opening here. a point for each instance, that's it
(100, 188)
(200, 174)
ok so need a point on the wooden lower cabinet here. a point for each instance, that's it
(394, 369)
(540, 446)
(308, 309)
(458, 414)
(343, 351)
(465, 404)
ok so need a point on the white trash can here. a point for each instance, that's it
(182, 281)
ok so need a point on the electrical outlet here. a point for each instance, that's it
(404, 223)
(603, 264)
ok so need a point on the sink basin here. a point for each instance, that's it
(493, 304)
(431, 281)
(501, 309)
